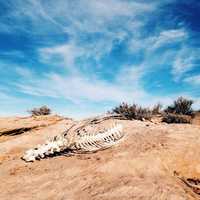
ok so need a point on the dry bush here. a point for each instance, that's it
(157, 109)
(44, 110)
(176, 118)
(133, 111)
(181, 106)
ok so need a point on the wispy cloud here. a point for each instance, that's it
(193, 80)
(95, 52)
(160, 39)
(77, 88)
(24, 72)
(184, 62)
(169, 36)
(62, 54)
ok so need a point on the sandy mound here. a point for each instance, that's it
(18, 125)
(154, 161)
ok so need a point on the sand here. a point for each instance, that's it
(150, 163)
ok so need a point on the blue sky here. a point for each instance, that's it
(82, 57)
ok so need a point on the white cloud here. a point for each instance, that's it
(64, 54)
(24, 72)
(71, 16)
(182, 59)
(81, 90)
(129, 76)
(151, 43)
(78, 19)
(184, 62)
(110, 20)
(31, 11)
(67, 54)
(193, 80)
(112, 8)
(93, 28)
(169, 36)
(98, 16)
(77, 88)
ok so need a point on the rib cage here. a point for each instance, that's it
(74, 142)
(91, 142)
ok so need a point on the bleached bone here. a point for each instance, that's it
(76, 143)
(100, 140)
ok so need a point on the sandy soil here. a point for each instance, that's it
(145, 165)
(18, 125)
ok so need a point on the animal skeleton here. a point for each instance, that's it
(78, 140)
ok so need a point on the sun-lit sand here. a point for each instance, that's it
(152, 162)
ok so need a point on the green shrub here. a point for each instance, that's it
(44, 110)
(132, 111)
(176, 118)
(181, 106)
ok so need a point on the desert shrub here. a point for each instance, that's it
(132, 111)
(176, 118)
(157, 109)
(44, 110)
(181, 106)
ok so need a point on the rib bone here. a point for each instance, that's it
(76, 143)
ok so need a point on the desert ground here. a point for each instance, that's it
(155, 160)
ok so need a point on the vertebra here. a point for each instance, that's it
(76, 143)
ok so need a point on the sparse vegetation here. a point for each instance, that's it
(157, 109)
(133, 111)
(181, 106)
(44, 110)
(179, 112)
(176, 118)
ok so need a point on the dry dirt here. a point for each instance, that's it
(150, 163)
